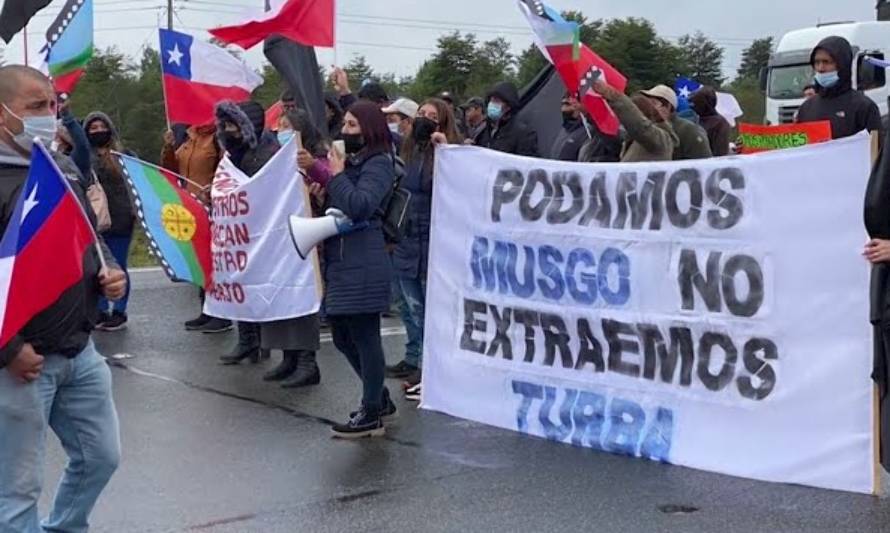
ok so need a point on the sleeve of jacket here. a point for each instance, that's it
(80, 153)
(359, 201)
(528, 142)
(722, 140)
(872, 117)
(347, 100)
(11, 350)
(639, 128)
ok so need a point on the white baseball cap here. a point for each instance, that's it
(404, 106)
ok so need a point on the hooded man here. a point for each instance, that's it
(573, 134)
(704, 102)
(239, 127)
(693, 139)
(504, 131)
(51, 375)
(848, 111)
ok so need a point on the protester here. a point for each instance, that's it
(504, 131)
(334, 115)
(196, 160)
(104, 139)
(53, 377)
(693, 139)
(73, 142)
(400, 116)
(240, 129)
(474, 119)
(458, 112)
(573, 134)
(288, 101)
(848, 111)
(649, 136)
(410, 258)
(358, 272)
(809, 91)
(298, 338)
(704, 102)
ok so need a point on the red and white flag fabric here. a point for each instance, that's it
(199, 75)
(577, 64)
(48, 229)
(308, 22)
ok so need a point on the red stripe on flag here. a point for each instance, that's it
(201, 240)
(308, 22)
(60, 242)
(65, 83)
(193, 103)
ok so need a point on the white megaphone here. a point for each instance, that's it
(308, 232)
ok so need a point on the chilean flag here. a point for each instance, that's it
(48, 230)
(198, 75)
(308, 22)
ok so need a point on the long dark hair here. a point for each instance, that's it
(447, 125)
(373, 124)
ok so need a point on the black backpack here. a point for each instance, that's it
(395, 208)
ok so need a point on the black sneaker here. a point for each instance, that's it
(387, 414)
(400, 370)
(414, 393)
(197, 323)
(102, 320)
(363, 424)
(216, 325)
(117, 322)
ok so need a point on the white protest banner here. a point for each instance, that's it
(258, 275)
(709, 313)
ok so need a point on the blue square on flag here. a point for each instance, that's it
(176, 57)
(685, 87)
(40, 196)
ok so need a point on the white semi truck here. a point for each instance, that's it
(789, 68)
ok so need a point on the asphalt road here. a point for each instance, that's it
(212, 448)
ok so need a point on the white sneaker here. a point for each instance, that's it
(413, 393)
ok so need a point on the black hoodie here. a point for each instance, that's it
(848, 111)
(509, 134)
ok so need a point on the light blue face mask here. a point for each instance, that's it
(285, 136)
(494, 111)
(827, 79)
(42, 127)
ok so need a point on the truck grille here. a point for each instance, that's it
(787, 113)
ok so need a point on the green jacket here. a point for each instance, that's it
(646, 140)
(694, 142)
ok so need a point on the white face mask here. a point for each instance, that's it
(42, 127)
(394, 127)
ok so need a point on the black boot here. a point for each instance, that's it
(248, 346)
(307, 372)
(284, 370)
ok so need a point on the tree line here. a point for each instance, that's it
(129, 89)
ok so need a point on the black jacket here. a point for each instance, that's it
(111, 176)
(63, 328)
(509, 134)
(569, 141)
(848, 111)
(258, 146)
(410, 259)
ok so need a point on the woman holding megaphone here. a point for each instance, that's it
(357, 269)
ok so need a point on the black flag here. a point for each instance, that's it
(540, 103)
(298, 67)
(16, 14)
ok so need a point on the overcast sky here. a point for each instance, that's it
(397, 35)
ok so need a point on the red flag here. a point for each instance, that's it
(308, 22)
(578, 76)
(273, 114)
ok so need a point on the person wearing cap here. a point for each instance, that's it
(573, 134)
(505, 132)
(399, 117)
(474, 118)
(649, 135)
(693, 139)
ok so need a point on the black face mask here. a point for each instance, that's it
(353, 142)
(423, 129)
(568, 116)
(99, 139)
(232, 141)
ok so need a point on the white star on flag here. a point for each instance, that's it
(684, 91)
(30, 203)
(175, 55)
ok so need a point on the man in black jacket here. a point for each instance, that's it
(505, 132)
(50, 372)
(848, 111)
(574, 132)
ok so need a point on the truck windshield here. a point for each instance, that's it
(787, 82)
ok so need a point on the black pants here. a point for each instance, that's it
(358, 337)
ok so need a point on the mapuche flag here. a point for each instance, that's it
(198, 75)
(48, 228)
(577, 64)
(308, 22)
(16, 14)
(69, 44)
(177, 223)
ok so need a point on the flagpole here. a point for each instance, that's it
(25, 35)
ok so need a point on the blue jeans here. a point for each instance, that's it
(414, 296)
(414, 338)
(73, 397)
(120, 249)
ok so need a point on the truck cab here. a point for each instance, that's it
(789, 71)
